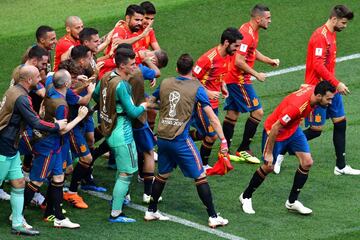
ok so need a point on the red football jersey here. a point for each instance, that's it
(145, 42)
(321, 57)
(211, 69)
(62, 46)
(247, 49)
(123, 32)
(290, 112)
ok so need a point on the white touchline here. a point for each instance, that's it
(302, 67)
(174, 219)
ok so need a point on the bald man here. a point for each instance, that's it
(49, 157)
(16, 111)
(73, 26)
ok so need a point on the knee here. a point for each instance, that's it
(211, 139)
(18, 183)
(307, 163)
(257, 114)
(267, 168)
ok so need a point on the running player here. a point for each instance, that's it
(210, 70)
(242, 96)
(282, 133)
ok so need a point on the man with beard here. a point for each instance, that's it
(242, 96)
(73, 25)
(320, 65)
(128, 31)
(210, 70)
(282, 133)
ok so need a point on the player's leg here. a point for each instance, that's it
(166, 163)
(337, 113)
(11, 169)
(298, 144)
(249, 102)
(233, 110)
(259, 175)
(80, 148)
(126, 162)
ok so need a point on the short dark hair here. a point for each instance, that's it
(123, 55)
(79, 52)
(71, 67)
(162, 58)
(42, 31)
(185, 64)
(231, 34)
(323, 87)
(133, 8)
(148, 7)
(341, 11)
(259, 9)
(86, 33)
(37, 52)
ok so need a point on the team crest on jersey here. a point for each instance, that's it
(2, 102)
(318, 118)
(197, 69)
(318, 52)
(83, 148)
(255, 102)
(286, 118)
(243, 48)
(174, 98)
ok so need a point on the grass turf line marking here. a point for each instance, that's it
(302, 67)
(174, 218)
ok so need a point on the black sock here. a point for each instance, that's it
(57, 198)
(100, 150)
(195, 135)
(203, 189)
(205, 151)
(300, 178)
(141, 164)
(49, 204)
(311, 134)
(97, 134)
(339, 136)
(157, 189)
(79, 173)
(249, 132)
(30, 190)
(256, 180)
(228, 128)
(27, 162)
(88, 178)
(148, 182)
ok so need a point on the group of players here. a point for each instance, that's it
(46, 115)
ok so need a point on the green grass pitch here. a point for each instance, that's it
(194, 27)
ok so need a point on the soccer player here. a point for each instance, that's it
(128, 31)
(210, 69)
(320, 66)
(82, 57)
(113, 93)
(242, 96)
(15, 110)
(178, 102)
(73, 26)
(48, 160)
(150, 39)
(45, 38)
(282, 133)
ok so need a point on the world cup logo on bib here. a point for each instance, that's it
(174, 98)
